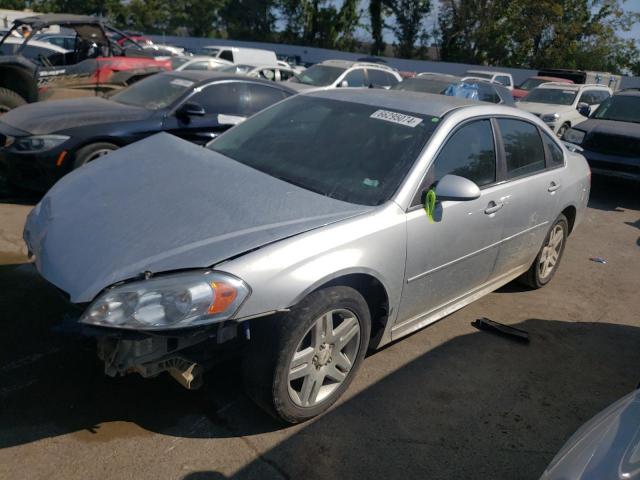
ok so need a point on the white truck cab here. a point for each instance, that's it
(242, 56)
(503, 78)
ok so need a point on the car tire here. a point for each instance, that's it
(548, 259)
(9, 100)
(90, 152)
(290, 358)
(563, 128)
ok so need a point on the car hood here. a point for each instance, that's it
(543, 108)
(607, 446)
(58, 115)
(610, 127)
(164, 204)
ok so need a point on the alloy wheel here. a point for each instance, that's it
(551, 252)
(324, 357)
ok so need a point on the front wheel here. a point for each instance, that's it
(9, 100)
(90, 152)
(548, 259)
(300, 363)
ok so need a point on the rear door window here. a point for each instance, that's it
(227, 98)
(226, 55)
(524, 153)
(262, 96)
(378, 78)
(355, 78)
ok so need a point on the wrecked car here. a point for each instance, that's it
(325, 225)
(95, 66)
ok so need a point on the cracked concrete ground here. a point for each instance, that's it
(446, 402)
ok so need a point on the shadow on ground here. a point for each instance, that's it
(613, 194)
(477, 403)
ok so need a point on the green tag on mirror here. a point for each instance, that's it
(430, 204)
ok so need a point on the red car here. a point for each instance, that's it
(97, 65)
(532, 82)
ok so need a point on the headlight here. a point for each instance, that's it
(550, 117)
(574, 136)
(38, 143)
(173, 301)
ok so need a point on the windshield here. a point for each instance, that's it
(532, 83)
(154, 92)
(423, 85)
(553, 96)
(178, 61)
(352, 152)
(319, 75)
(619, 108)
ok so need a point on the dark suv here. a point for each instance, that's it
(610, 138)
(96, 65)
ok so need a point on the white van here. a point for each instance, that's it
(242, 56)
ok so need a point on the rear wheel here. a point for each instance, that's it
(299, 364)
(548, 259)
(90, 152)
(9, 100)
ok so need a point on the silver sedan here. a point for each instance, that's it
(327, 224)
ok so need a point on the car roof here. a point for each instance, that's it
(490, 72)
(436, 76)
(422, 103)
(37, 43)
(552, 79)
(205, 76)
(38, 21)
(571, 86)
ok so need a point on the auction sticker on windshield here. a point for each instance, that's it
(396, 117)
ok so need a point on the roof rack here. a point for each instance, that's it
(479, 79)
(570, 85)
(371, 64)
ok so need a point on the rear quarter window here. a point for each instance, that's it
(555, 156)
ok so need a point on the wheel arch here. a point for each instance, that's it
(18, 80)
(369, 284)
(570, 211)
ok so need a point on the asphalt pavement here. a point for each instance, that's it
(447, 402)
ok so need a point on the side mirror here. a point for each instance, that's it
(190, 109)
(584, 109)
(344, 84)
(453, 187)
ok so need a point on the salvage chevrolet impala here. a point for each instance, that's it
(327, 224)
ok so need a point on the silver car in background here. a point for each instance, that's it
(327, 224)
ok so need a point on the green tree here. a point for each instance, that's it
(538, 33)
(409, 24)
(376, 22)
(248, 19)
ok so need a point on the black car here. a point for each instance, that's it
(610, 138)
(41, 142)
(443, 84)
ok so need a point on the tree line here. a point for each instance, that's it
(585, 34)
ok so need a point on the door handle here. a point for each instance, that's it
(553, 186)
(493, 207)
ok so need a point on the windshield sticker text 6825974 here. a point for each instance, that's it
(395, 117)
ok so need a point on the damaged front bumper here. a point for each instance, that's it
(184, 354)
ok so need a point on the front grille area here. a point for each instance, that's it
(613, 144)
